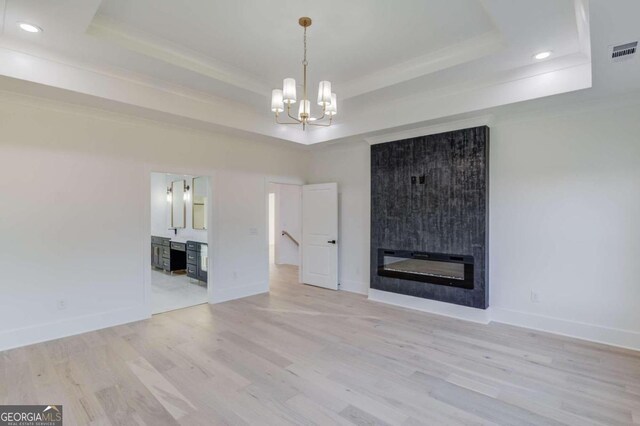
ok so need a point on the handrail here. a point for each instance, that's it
(290, 237)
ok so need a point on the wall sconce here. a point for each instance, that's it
(186, 193)
(169, 194)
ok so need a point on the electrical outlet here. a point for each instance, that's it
(535, 297)
(61, 304)
(253, 231)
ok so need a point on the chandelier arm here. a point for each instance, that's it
(312, 123)
(324, 113)
(291, 116)
(297, 123)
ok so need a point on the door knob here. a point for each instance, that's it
(332, 241)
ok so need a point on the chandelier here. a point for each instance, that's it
(287, 96)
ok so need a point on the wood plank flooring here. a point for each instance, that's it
(303, 355)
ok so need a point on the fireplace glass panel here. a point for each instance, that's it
(434, 268)
(427, 267)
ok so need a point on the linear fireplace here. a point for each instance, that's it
(429, 210)
(434, 268)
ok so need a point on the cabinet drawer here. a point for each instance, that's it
(178, 246)
(166, 252)
(192, 245)
(192, 257)
(166, 264)
(192, 271)
(158, 240)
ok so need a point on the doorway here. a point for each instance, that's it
(285, 231)
(179, 213)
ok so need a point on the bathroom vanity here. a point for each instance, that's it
(171, 256)
(168, 255)
(197, 260)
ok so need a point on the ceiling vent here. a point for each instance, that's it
(623, 52)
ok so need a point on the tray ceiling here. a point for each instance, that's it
(212, 64)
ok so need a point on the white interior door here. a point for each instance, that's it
(320, 235)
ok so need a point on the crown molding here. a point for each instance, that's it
(562, 106)
(174, 103)
(173, 54)
(567, 105)
(483, 120)
(466, 100)
(157, 102)
(450, 56)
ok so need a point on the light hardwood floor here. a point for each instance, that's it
(303, 355)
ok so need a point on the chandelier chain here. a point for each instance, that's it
(304, 62)
(304, 98)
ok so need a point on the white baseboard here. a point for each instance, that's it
(220, 295)
(70, 326)
(595, 333)
(432, 306)
(353, 286)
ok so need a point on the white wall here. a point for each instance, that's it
(349, 166)
(564, 210)
(75, 226)
(564, 219)
(240, 250)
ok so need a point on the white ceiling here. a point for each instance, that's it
(213, 63)
(347, 40)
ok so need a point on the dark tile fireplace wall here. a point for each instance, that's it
(430, 194)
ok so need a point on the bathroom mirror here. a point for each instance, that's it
(178, 204)
(199, 205)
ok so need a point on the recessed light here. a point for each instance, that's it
(30, 28)
(542, 55)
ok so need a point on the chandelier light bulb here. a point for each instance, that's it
(332, 108)
(304, 110)
(277, 102)
(289, 90)
(324, 93)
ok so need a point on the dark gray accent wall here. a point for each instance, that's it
(448, 213)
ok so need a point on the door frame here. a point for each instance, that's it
(279, 180)
(146, 224)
